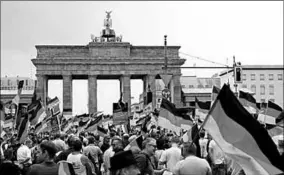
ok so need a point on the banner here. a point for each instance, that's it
(120, 114)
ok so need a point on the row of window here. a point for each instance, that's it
(263, 100)
(9, 82)
(262, 77)
(198, 86)
(262, 89)
(15, 88)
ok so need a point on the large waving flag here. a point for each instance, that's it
(241, 137)
(23, 129)
(248, 101)
(215, 92)
(201, 109)
(172, 118)
(38, 114)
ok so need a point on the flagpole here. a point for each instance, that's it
(265, 114)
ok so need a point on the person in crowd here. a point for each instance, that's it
(106, 144)
(24, 155)
(172, 155)
(117, 145)
(217, 158)
(8, 166)
(144, 163)
(81, 164)
(94, 153)
(47, 153)
(60, 144)
(64, 154)
(192, 164)
(125, 140)
(123, 163)
(203, 144)
(159, 152)
(97, 140)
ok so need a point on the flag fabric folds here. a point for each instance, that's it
(202, 109)
(23, 129)
(101, 131)
(248, 101)
(215, 92)
(38, 114)
(92, 125)
(241, 137)
(172, 118)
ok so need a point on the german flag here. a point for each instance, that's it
(241, 137)
(92, 125)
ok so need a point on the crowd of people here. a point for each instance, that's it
(156, 152)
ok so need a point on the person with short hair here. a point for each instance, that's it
(144, 163)
(218, 159)
(94, 153)
(171, 156)
(192, 164)
(123, 163)
(64, 154)
(24, 155)
(81, 164)
(8, 166)
(60, 144)
(47, 153)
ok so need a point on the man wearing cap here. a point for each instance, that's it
(123, 163)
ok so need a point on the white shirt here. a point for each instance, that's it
(171, 156)
(75, 160)
(217, 156)
(203, 144)
(23, 153)
(106, 158)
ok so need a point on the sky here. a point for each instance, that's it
(216, 31)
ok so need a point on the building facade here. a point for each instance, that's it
(192, 87)
(9, 89)
(199, 87)
(264, 81)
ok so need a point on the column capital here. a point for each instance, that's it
(152, 75)
(41, 75)
(126, 75)
(92, 76)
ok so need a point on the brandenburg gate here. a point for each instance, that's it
(106, 57)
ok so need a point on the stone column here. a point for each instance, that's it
(92, 89)
(176, 90)
(67, 94)
(150, 80)
(152, 83)
(126, 90)
(41, 88)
